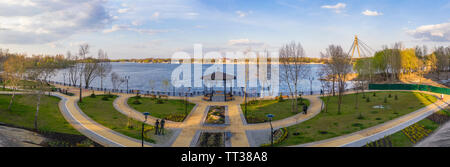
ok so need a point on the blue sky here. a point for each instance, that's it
(158, 28)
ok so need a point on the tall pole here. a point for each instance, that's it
(127, 77)
(143, 124)
(142, 135)
(271, 132)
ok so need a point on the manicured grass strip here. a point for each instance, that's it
(258, 110)
(400, 139)
(331, 124)
(103, 112)
(173, 110)
(24, 108)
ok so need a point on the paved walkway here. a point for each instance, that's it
(193, 123)
(355, 138)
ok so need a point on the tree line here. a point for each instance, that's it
(32, 73)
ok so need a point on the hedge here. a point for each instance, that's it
(428, 88)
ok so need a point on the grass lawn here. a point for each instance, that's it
(24, 108)
(103, 112)
(257, 110)
(331, 124)
(173, 110)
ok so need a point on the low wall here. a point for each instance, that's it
(428, 88)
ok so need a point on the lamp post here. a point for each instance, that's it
(146, 114)
(185, 100)
(127, 78)
(245, 101)
(311, 78)
(270, 116)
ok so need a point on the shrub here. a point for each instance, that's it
(253, 102)
(374, 94)
(137, 97)
(385, 100)
(175, 117)
(360, 116)
(283, 136)
(159, 101)
(368, 99)
(137, 101)
(322, 132)
(357, 125)
(390, 95)
(280, 98)
(396, 97)
(93, 95)
(85, 143)
(105, 98)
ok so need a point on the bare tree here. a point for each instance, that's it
(152, 85)
(104, 67)
(293, 69)
(442, 60)
(340, 65)
(40, 73)
(74, 69)
(117, 80)
(14, 70)
(90, 71)
(421, 54)
(82, 52)
(324, 75)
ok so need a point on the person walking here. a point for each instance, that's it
(163, 121)
(305, 109)
(157, 127)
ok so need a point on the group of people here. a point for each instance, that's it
(159, 127)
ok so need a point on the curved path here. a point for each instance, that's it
(88, 127)
(237, 125)
(360, 138)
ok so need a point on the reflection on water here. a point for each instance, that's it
(141, 74)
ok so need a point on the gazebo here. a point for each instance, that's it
(218, 77)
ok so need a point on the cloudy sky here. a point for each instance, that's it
(158, 28)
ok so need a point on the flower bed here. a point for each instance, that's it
(216, 115)
(278, 136)
(416, 132)
(439, 118)
(211, 139)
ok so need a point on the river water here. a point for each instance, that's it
(141, 74)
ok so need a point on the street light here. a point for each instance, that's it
(245, 101)
(146, 114)
(270, 116)
(186, 101)
(127, 78)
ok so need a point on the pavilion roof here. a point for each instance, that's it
(218, 76)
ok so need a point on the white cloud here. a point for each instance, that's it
(192, 14)
(115, 28)
(243, 42)
(18, 2)
(434, 32)
(243, 14)
(28, 22)
(124, 10)
(371, 13)
(337, 8)
(155, 16)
